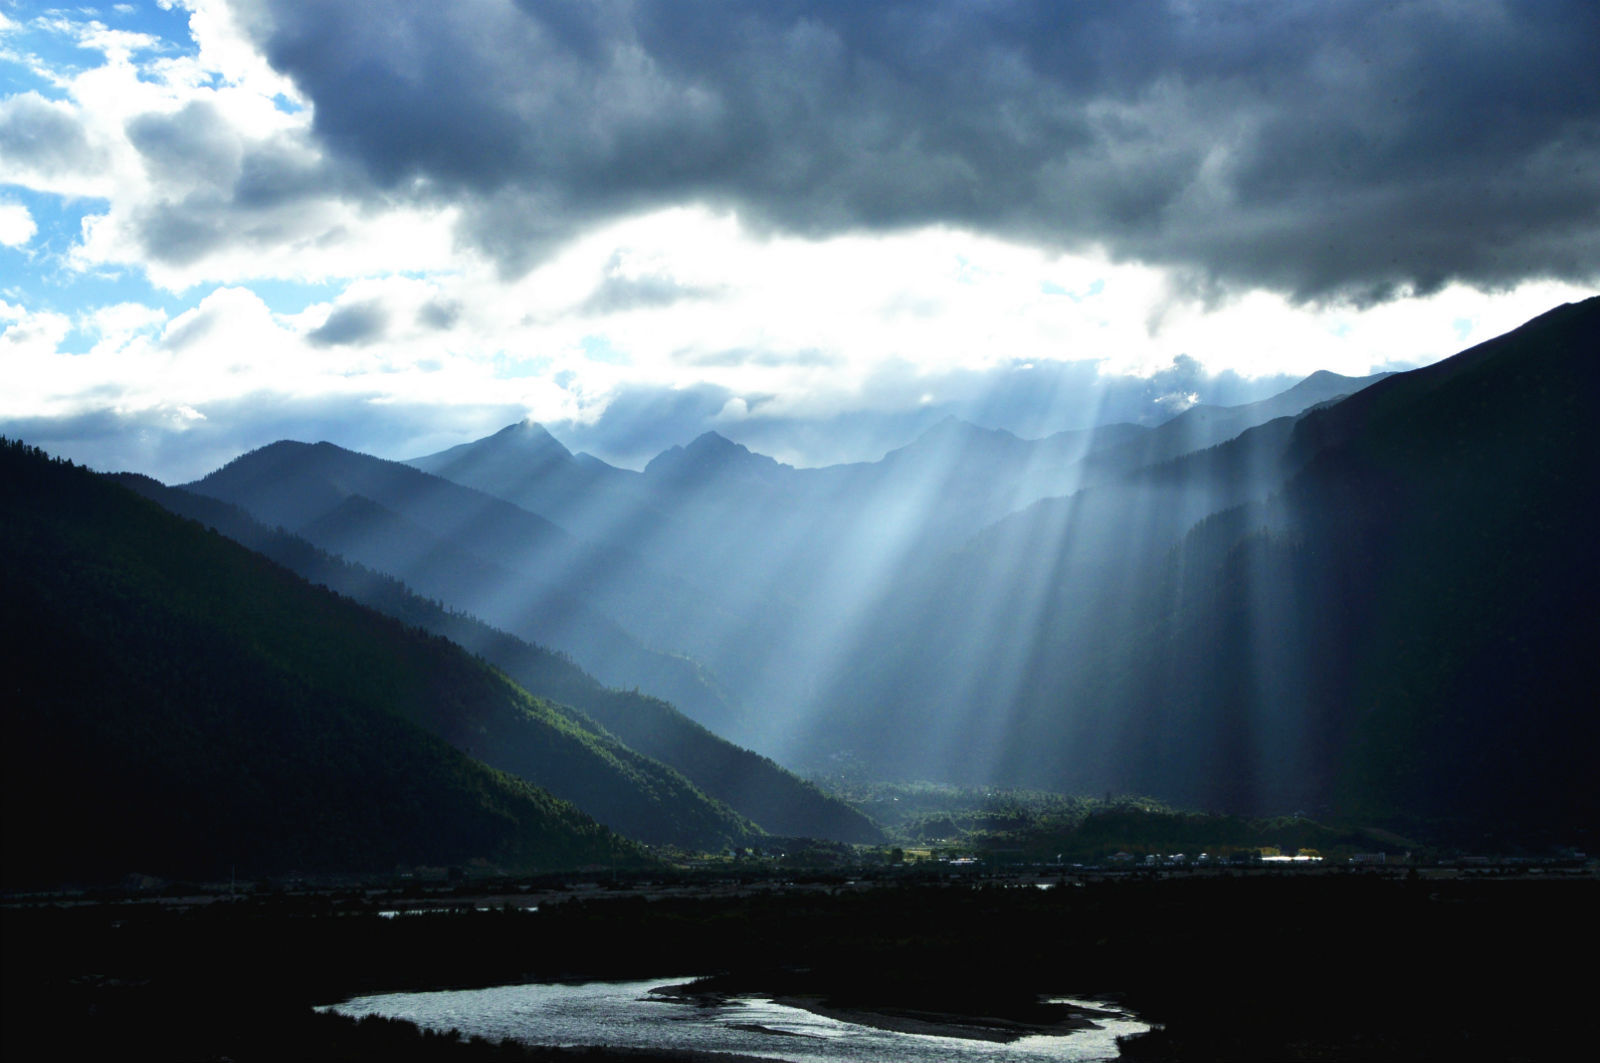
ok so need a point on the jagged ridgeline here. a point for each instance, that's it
(181, 706)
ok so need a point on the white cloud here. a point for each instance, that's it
(207, 167)
(16, 225)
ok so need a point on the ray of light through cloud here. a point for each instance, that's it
(819, 230)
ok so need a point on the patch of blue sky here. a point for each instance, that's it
(599, 349)
(15, 264)
(18, 76)
(291, 296)
(47, 38)
(1096, 286)
(166, 22)
(58, 219)
(78, 340)
(39, 274)
(170, 24)
(1463, 327)
(512, 366)
(69, 291)
(44, 45)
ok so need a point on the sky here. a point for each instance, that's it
(815, 227)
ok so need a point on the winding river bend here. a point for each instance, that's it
(648, 1015)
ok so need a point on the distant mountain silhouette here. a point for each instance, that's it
(522, 463)
(970, 475)
(1200, 427)
(779, 559)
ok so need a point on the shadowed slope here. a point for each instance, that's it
(1438, 547)
(476, 553)
(1388, 613)
(752, 785)
(180, 706)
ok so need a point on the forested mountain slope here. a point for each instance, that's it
(752, 785)
(478, 554)
(180, 706)
(133, 588)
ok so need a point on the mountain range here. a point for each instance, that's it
(1365, 598)
(1210, 610)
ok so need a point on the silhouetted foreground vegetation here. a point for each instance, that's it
(1323, 966)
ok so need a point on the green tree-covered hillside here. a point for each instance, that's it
(181, 706)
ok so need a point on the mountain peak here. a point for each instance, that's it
(524, 446)
(951, 425)
(951, 433)
(710, 452)
(714, 443)
(529, 434)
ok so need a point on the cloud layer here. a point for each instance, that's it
(816, 227)
(1319, 150)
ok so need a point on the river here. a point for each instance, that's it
(630, 1015)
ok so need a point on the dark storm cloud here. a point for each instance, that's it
(1323, 150)
(352, 325)
(192, 144)
(218, 192)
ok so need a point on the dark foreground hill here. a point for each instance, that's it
(755, 787)
(1420, 599)
(182, 706)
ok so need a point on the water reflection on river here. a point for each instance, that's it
(626, 1015)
